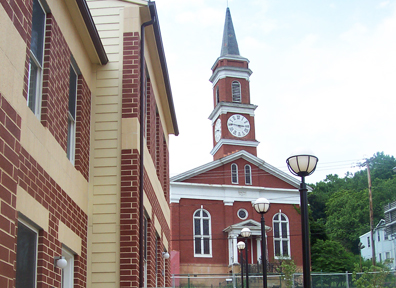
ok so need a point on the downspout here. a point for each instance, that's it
(141, 160)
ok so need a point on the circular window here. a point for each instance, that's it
(242, 214)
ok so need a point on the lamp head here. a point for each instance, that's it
(261, 205)
(165, 255)
(245, 232)
(302, 163)
(241, 245)
(60, 262)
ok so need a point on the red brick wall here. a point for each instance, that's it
(130, 76)
(10, 131)
(34, 179)
(19, 13)
(18, 167)
(222, 175)
(221, 217)
(56, 76)
(83, 127)
(225, 90)
(129, 223)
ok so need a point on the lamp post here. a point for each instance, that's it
(241, 246)
(245, 232)
(262, 206)
(303, 165)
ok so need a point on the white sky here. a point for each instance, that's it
(324, 77)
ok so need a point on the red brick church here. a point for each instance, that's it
(210, 204)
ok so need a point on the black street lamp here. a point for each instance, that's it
(241, 246)
(262, 206)
(245, 233)
(304, 165)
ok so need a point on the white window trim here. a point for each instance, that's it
(39, 76)
(202, 237)
(72, 144)
(280, 233)
(36, 231)
(250, 174)
(68, 271)
(247, 214)
(237, 176)
(239, 91)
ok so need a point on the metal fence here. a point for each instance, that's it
(319, 280)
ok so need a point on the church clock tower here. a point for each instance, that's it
(233, 115)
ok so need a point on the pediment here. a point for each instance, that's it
(253, 225)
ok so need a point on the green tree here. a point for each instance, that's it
(370, 278)
(347, 217)
(331, 256)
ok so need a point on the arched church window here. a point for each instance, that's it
(234, 173)
(217, 95)
(280, 224)
(248, 175)
(236, 91)
(202, 234)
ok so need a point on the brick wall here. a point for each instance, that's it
(10, 131)
(83, 127)
(37, 182)
(56, 76)
(129, 223)
(130, 76)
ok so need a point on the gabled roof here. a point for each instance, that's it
(229, 45)
(254, 226)
(232, 157)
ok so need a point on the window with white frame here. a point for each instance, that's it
(26, 256)
(280, 225)
(234, 173)
(71, 121)
(202, 234)
(248, 174)
(36, 58)
(68, 271)
(368, 241)
(236, 91)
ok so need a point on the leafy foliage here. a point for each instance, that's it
(288, 269)
(331, 256)
(339, 211)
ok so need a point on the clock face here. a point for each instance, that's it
(218, 130)
(238, 125)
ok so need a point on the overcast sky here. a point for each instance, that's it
(324, 77)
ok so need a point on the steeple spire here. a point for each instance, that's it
(230, 44)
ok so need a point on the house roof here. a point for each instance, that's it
(232, 157)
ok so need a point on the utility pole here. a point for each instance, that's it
(371, 213)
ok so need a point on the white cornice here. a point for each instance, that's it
(226, 107)
(231, 193)
(229, 71)
(233, 142)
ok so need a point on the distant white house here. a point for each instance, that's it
(384, 235)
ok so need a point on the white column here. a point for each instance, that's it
(235, 248)
(258, 242)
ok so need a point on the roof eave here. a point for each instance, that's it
(93, 32)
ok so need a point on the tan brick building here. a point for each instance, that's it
(71, 87)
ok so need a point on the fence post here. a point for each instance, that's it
(293, 279)
(347, 280)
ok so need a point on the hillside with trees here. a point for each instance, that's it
(339, 212)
